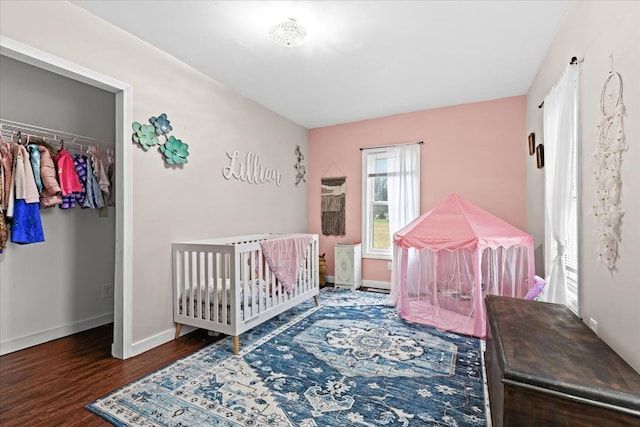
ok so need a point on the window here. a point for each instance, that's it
(376, 238)
(571, 243)
(561, 126)
(390, 195)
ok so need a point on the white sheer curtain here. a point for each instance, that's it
(403, 195)
(561, 136)
(403, 186)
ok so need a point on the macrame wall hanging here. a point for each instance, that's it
(607, 207)
(332, 200)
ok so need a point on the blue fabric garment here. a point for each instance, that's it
(34, 157)
(88, 201)
(80, 162)
(26, 227)
(98, 198)
(93, 193)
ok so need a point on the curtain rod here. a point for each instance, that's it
(389, 146)
(574, 60)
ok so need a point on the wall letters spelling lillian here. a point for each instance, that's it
(250, 170)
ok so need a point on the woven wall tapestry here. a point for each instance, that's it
(332, 205)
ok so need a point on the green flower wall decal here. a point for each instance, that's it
(162, 124)
(145, 135)
(175, 151)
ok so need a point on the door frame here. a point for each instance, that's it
(122, 305)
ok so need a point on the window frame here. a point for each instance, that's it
(396, 157)
(572, 244)
(368, 202)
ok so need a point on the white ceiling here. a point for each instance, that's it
(361, 59)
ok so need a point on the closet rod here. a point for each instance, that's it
(389, 146)
(7, 127)
(573, 60)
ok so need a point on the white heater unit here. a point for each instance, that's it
(348, 265)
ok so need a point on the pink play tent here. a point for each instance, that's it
(447, 260)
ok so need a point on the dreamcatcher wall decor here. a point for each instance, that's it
(607, 207)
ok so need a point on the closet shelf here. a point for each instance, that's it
(8, 127)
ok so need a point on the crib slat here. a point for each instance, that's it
(263, 293)
(194, 283)
(258, 289)
(179, 272)
(245, 286)
(270, 283)
(255, 291)
(197, 309)
(234, 304)
(207, 286)
(223, 288)
(215, 274)
(188, 284)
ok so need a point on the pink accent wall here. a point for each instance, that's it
(475, 150)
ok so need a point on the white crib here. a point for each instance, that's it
(245, 292)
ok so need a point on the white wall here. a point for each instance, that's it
(54, 288)
(175, 203)
(595, 30)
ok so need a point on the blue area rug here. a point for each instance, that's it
(351, 361)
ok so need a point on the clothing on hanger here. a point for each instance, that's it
(34, 157)
(67, 176)
(4, 231)
(93, 194)
(6, 162)
(111, 173)
(27, 226)
(80, 162)
(36, 174)
(52, 193)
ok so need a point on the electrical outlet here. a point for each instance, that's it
(593, 325)
(389, 265)
(107, 290)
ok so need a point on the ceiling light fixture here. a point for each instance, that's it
(288, 33)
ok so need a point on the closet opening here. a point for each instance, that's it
(97, 292)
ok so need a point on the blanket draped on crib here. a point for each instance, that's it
(285, 256)
(333, 194)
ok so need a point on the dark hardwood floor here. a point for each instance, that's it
(49, 384)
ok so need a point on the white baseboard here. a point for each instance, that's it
(376, 284)
(27, 341)
(156, 340)
(366, 283)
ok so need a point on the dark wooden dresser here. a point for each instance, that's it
(545, 367)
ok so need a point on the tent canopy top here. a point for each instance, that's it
(456, 224)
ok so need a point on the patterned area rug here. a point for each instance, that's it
(350, 362)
